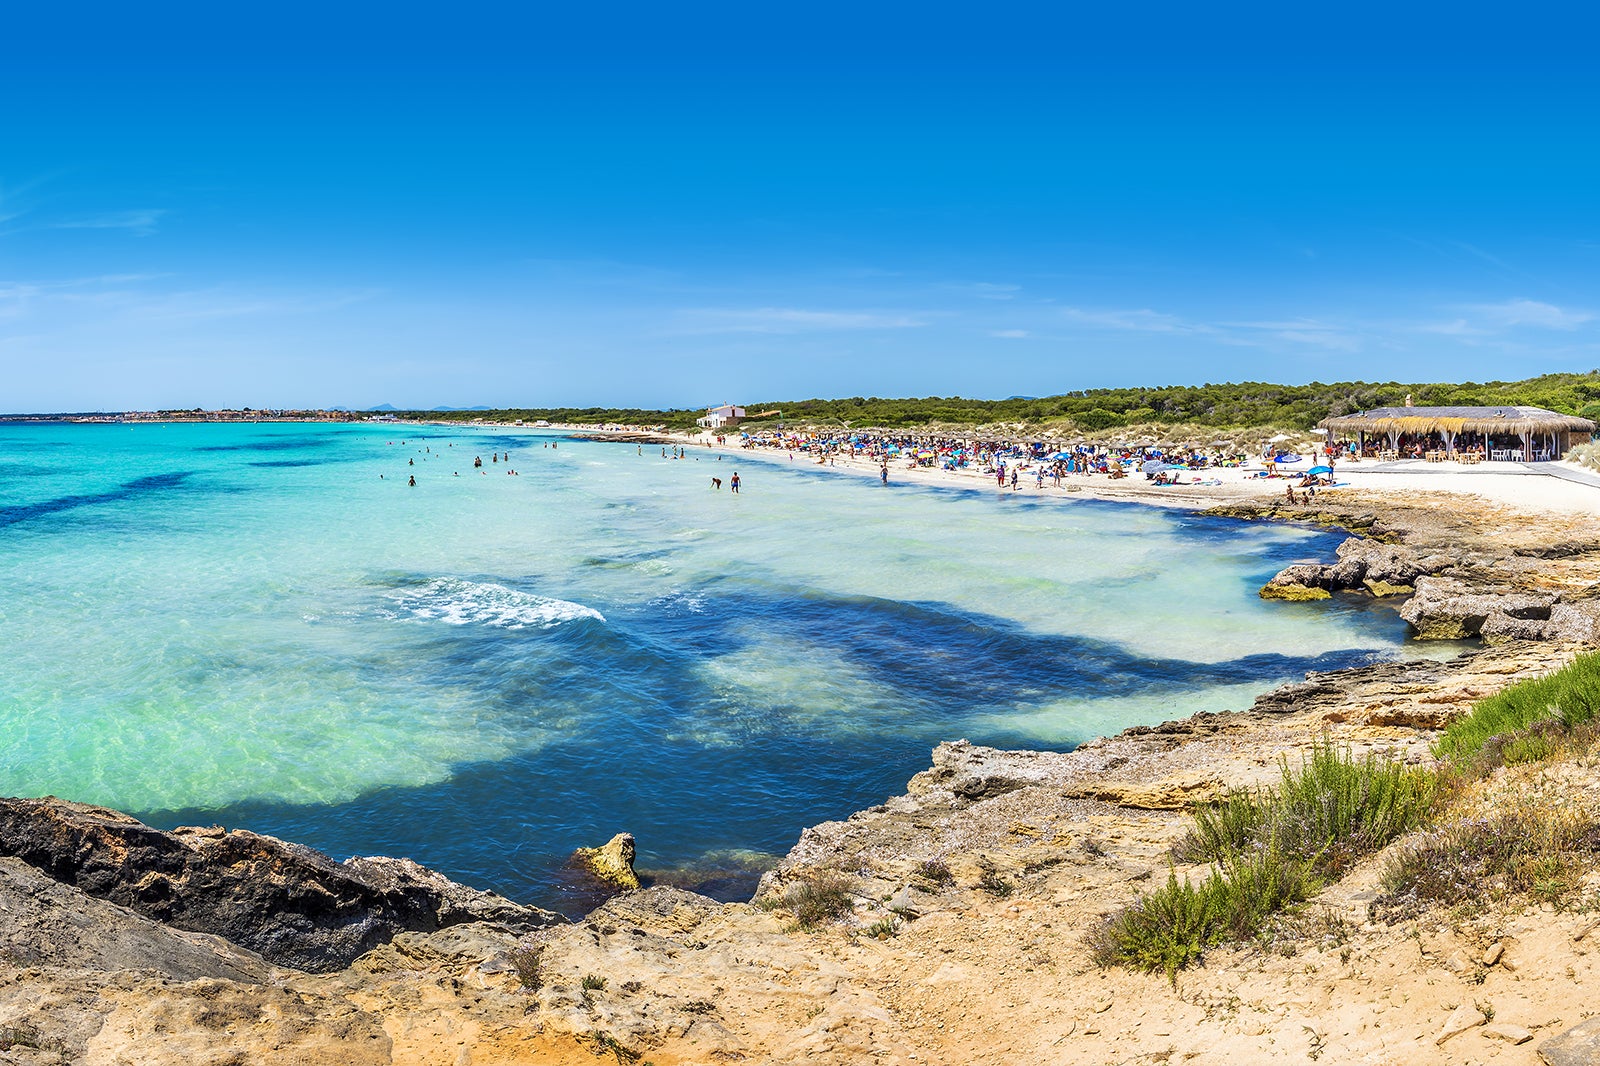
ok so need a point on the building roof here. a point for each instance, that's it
(1503, 419)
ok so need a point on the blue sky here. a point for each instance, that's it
(680, 205)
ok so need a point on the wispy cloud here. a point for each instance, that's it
(1281, 334)
(128, 298)
(1010, 334)
(141, 223)
(1307, 332)
(1458, 327)
(989, 290)
(1524, 312)
(1143, 320)
(788, 320)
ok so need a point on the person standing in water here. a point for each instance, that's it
(733, 482)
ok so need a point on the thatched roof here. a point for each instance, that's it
(1497, 420)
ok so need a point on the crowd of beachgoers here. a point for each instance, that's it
(1038, 459)
(1186, 474)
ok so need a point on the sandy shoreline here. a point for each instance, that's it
(1522, 487)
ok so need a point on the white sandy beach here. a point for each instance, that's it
(1523, 487)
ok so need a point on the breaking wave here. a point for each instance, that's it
(464, 603)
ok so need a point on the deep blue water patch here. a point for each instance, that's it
(271, 444)
(138, 488)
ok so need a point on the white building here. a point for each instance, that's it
(717, 417)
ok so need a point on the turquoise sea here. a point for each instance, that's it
(266, 626)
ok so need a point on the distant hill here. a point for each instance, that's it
(384, 407)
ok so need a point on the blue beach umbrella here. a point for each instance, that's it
(1320, 470)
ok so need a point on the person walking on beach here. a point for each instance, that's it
(1013, 480)
(733, 482)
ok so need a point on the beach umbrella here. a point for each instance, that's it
(1154, 466)
(1279, 439)
(1320, 470)
(1320, 432)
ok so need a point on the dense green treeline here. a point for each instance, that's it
(1245, 403)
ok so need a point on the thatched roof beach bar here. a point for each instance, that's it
(1514, 433)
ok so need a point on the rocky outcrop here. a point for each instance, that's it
(1464, 585)
(1446, 608)
(1578, 1046)
(611, 863)
(46, 923)
(290, 904)
(1360, 564)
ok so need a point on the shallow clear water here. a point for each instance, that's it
(248, 624)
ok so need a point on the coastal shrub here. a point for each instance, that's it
(1165, 930)
(1521, 722)
(1329, 811)
(625, 1055)
(1170, 927)
(1236, 405)
(817, 896)
(935, 872)
(1269, 849)
(526, 962)
(883, 929)
(1530, 848)
(1221, 828)
(593, 982)
(1097, 418)
(1585, 454)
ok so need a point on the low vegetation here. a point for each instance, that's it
(1269, 850)
(818, 896)
(1529, 721)
(1273, 848)
(1328, 811)
(934, 874)
(1530, 848)
(1587, 454)
(1228, 406)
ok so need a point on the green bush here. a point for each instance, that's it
(1329, 811)
(1097, 418)
(1269, 850)
(1503, 728)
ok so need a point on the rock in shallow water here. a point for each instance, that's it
(612, 862)
(1294, 592)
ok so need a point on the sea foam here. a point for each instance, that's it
(461, 603)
